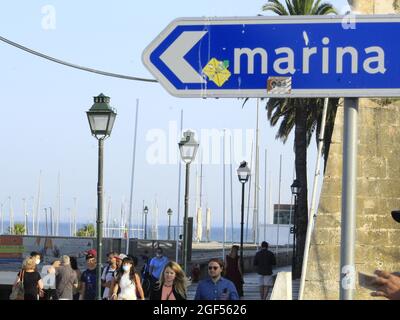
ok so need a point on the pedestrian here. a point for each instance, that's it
(74, 266)
(50, 293)
(172, 285)
(216, 287)
(128, 281)
(88, 279)
(119, 258)
(66, 279)
(36, 256)
(156, 267)
(263, 261)
(109, 273)
(146, 278)
(233, 269)
(32, 281)
(388, 285)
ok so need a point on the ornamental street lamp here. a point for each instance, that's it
(243, 173)
(188, 147)
(145, 212)
(101, 120)
(296, 189)
(169, 213)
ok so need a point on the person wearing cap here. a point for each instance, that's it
(88, 279)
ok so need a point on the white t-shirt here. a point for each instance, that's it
(107, 277)
(128, 288)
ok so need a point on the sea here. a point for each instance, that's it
(272, 233)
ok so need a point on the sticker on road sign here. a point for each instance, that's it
(279, 85)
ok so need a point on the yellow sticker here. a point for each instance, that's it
(217, 71)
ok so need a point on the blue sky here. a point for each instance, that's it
(44, 125)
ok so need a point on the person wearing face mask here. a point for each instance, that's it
(156, 267)
(128, 281)
(36, 257)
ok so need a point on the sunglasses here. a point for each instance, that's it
(212, 267)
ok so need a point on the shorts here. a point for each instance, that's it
(266, 280)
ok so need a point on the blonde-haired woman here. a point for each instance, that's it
(172, 284)
(33, 284)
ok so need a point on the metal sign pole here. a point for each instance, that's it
(349, 183)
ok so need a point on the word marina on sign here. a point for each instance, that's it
(372, 58)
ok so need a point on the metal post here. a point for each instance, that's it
(169, 227)
(99, 219)
(223, 199)
(241, 231)
(294, 235)
(347, 249)
(185, 219)
(145, 226)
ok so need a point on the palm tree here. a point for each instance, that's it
(86, 231)
(305, 116)
(19, 229)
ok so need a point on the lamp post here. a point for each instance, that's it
(295, 187)
(169, 212)
(145, 212)
(188, 147)
(243, 173)
(101, 120)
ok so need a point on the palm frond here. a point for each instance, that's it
(276, 7)
(325, 9)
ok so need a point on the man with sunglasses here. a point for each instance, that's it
(216, 287)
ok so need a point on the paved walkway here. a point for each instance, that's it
(251, 288)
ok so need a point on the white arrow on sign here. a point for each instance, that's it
(173, 57)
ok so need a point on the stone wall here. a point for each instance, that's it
(378, 193)
(375, 6)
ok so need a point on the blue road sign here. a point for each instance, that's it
(298, 56)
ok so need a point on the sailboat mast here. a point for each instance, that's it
(256, 182)
(59, 206)
(178, 221)
(279, 203)
(248, 198)
(265, 197)
(37, 207)
(132, 179)
(231, 173)
(25, 217)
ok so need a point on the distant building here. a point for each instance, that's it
(285, 213)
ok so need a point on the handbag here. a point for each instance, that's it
(18, 291)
